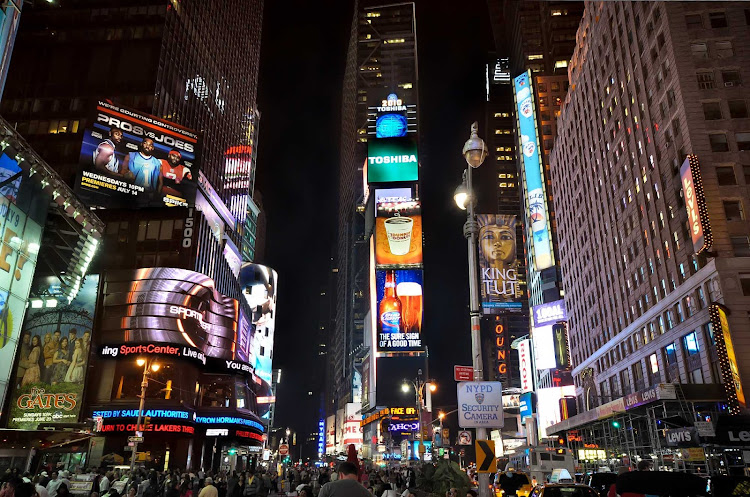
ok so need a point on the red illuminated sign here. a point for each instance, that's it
(157, 427)
(249, 434)
(501, 352)
(695, 203)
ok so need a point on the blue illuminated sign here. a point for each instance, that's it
(391, 126)
(321, 436)
(536, 200)
(152, 413)
(526, 405)
(228, 420)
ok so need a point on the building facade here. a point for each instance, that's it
(135, 63)
(656, 95)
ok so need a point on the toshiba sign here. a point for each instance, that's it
(524, 365)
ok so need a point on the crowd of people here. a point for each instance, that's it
(348, 480)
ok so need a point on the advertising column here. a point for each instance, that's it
(537, 213)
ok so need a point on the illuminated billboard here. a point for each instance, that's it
(727, 359)
(260, 285)
(398, 233)
(549, 408)
(51, 368)
(526, 372)
(392, 160)
(399, 310)
(133, 160)
(536, 199)
(168, 306)
(551, 349)
(695, 203)
(21, 237)
(498, 263)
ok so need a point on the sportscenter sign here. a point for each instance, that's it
(524, 366)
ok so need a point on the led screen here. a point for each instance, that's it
(132, 160)
(499, 263)
(399, 310)
(260, 286)
(51, 368)
(392, 160)
(548, 406)
(398, 234)
(536, 201)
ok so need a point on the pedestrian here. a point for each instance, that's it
(209, 490)
(54, 484)
(62, 490)
(347, 484)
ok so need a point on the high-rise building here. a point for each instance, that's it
(174, 65)
(539, 37)
(381, 60)
(648, 174)
(10, 17)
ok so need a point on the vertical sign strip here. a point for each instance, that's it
(727, 359)
(695, 203)
(536, 199)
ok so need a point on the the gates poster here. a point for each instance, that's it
(51, 366)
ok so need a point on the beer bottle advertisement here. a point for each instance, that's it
(399, 310)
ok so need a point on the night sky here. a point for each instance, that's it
(302, 65)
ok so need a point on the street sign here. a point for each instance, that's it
(128, 448)
(463, 373)
(480, 404)
(464, 437)
(135, 439)
(283, 449)
(486, 462)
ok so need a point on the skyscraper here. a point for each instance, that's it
(654, 269)
(381, 59)
(174, 65)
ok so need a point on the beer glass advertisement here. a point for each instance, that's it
(18, 254)
(398, 234)
(51, 367)
(133, 160)
(260, 285)
(499, 263)
(400, 307)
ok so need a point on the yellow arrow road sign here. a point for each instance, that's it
(486, 462)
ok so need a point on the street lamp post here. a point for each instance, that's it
(474, 151)
(147, 365)
(419, 395)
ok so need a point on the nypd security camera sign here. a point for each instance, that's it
(480, 404)
(391, 160)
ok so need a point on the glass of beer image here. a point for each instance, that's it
(398, 230)
(410, 294)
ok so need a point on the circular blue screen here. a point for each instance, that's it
(391, 126)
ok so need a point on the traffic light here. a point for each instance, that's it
(561, 441)
(615, 424)
(232, 451)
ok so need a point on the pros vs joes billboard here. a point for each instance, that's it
(131, 159)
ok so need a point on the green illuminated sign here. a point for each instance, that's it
(392, 159)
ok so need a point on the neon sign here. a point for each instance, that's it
(404, 426)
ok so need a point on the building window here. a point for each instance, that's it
(740, 246)
(625, 381)
(737, 109)
(637, 368)
(670, 352)
(694, 21)
(745, 284)
(743, 141)
(717, 19)
(705, 80)
(725, 175)
(724, 49)
(699, 49)
(712, 110)
(733, 210)
(718, 142)
(701, 298)
(731, 78)
(690, 342)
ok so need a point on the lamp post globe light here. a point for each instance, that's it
(475, 152)
(148, 365)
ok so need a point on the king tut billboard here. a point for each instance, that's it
(499, 264)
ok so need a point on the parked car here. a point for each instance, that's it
(600, 482)
(563, 490)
